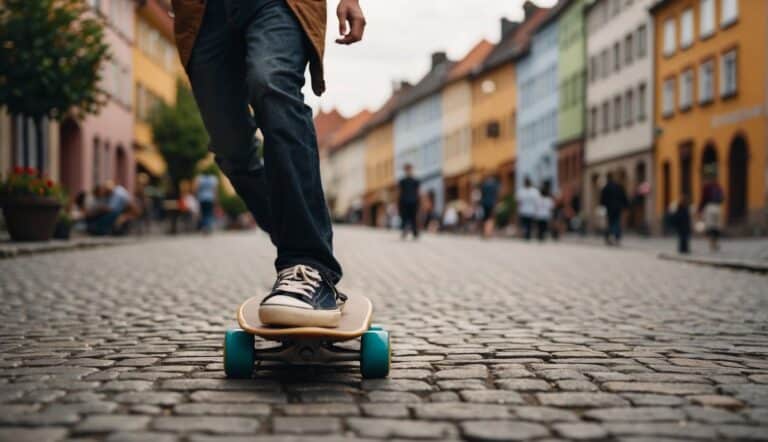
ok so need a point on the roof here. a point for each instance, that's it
(387, 111)
(474, 58)
(350, 130)
(326, 124)
(657, 4)
(428, 85)
(517, 42)
(554, 12)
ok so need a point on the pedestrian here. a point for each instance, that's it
(246, 61)
(614, 199)
(489, 193)
(527, 202)
(409, 202)
(711, 207)
(544, 207)
(111, 213)
(206, 186)
(682, 222)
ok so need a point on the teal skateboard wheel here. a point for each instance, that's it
(239, 354)
(375, 353)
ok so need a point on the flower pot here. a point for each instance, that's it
(30, 218)
(62, 230)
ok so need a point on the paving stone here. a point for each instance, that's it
(112, 422)
(581, 400)
(396, 385)
(385, 410)
(306, 425)
(545, 414)
(396, 428)
(264, 397)
(714, 400)
(149, 397)
(636, 414)
(492, 396)
(459, 410)
(445, 396)
(524, 384)
(141, 436)
(575, 385)
(654, 399)
(742, 432)
(20, 434)
(395, 397)
(658, 387)
(712, 415)
(502, 430)
(671, 430)
(208, 424)
(479, 372)
(580, 431)
(238, 409)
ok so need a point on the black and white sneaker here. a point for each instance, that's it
(301, 297)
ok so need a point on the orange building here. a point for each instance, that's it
(711, 107)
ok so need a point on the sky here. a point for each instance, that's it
(398, 40)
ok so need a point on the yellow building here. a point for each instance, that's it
(493, 119)
(711, 106)
(457, 124)
(380, 186)
(156, 68)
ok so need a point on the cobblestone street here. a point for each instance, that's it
(492, 340)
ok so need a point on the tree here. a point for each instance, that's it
(51, 52)
(180, 136)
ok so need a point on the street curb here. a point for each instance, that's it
(728, 263)
(11, 250)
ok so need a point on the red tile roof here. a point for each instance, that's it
(474, 58)
(350, 130)
(326, 125)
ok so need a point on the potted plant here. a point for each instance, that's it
(63, 226)
(31, 205)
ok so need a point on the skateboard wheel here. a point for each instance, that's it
(375, 354)
(375, 327)
(239, 354)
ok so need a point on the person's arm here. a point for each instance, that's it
(351, 22)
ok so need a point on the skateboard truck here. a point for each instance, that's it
(309, 352)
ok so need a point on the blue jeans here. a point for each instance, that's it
(614, 227)
(254, 53)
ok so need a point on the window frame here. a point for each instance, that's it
(670, 36)
(704, 33)
(702, 99)
(685, 91)
(668, 102)
(726, 93)
(684, 16)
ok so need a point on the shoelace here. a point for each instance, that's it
(298, 279)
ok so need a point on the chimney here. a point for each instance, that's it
(438, 58)
(399, 85)
(530, 8)
(508, 27)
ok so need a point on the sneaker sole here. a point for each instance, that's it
(284, 316)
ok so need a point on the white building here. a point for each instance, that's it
(343, 171)
(619, 135)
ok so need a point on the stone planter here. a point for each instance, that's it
(30, 218)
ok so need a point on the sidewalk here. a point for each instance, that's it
(10, 249)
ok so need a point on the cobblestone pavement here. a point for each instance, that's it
(494, 340)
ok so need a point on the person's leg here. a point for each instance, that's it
(217, 75)
(277, 53)
(415, 221)
(617, 228)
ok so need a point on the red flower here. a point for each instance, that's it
(18, 170)
(31, 171)
(49, 183)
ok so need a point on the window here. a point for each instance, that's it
(492, 129)
(668, 99)
(606, 116)
(593, 68)
(729, 12)
(96, 162)
(616, 56)
(728, 74)
(706, 81)
(669, 36)
(604, 67)
(686, 28)
(642, 43)
(629, 111)
(706, 18)
(686, 89)
(617, 112)
(629, 48)
(593, 122)
(641, 102)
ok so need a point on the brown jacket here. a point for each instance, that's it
(310, 13)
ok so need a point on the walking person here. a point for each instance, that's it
(544, 208)
(614, 199)
(207, 185)
(489, 194)
(409, 202)
(711, 207)
(246, 61)
(682, 222)
(527, 202)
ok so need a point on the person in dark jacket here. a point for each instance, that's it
(614, 199)
(682, 221)
(489, 193)
(409, 202)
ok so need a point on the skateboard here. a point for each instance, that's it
(308, 345)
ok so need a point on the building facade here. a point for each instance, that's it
(418, 131)
(346, 167)
(711, 109)
(14, 153)
(571, 79)
(457, 124)
(157, 68)
(537, 104)
(619, 107)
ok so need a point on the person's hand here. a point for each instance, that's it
(351, 22)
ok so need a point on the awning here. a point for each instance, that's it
(151, 160)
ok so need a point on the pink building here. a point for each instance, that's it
(100, 147)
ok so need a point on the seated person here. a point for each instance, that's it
(112, 212)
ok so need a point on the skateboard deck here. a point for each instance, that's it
(355, 320)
